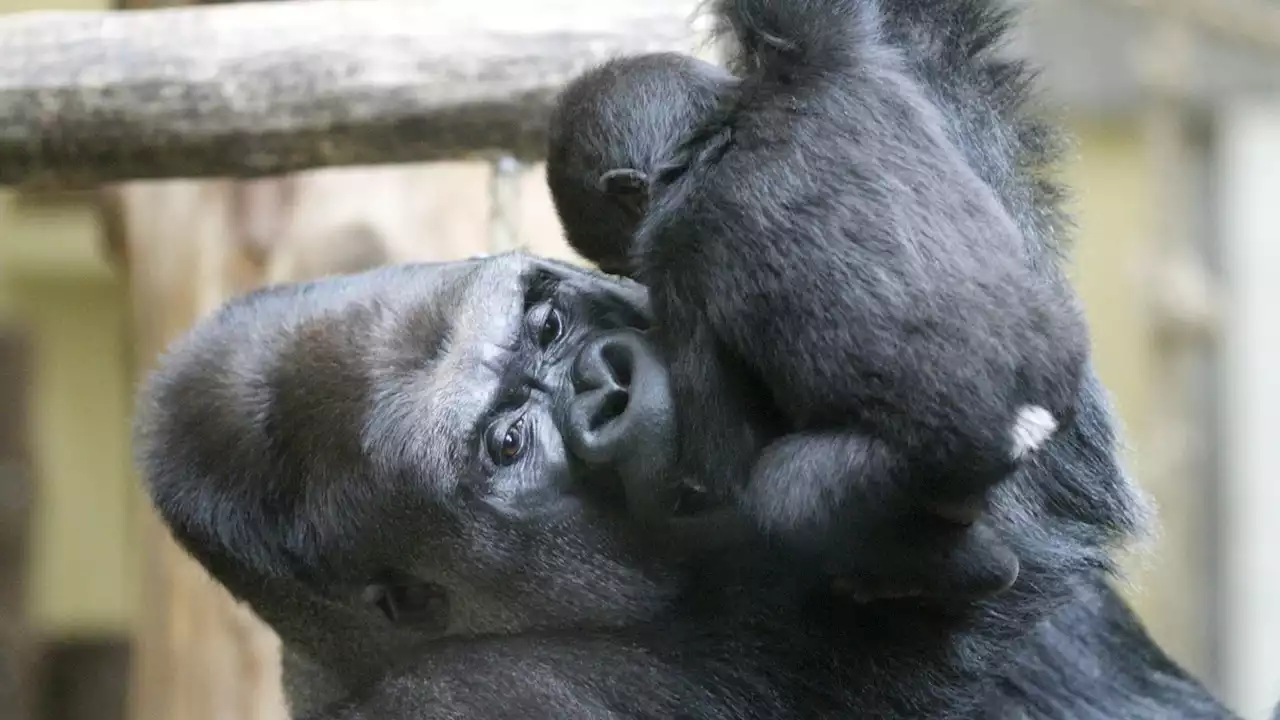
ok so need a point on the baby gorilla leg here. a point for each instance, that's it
(842, 498)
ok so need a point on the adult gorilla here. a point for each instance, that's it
(415, 476)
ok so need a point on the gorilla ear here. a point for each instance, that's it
(626, 186)
(407, 601)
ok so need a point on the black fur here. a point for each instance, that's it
(834, 230)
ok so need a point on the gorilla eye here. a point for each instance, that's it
(552, 326)
(506, 446)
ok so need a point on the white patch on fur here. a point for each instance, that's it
(1031, 429)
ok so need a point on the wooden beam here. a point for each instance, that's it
(266, 88)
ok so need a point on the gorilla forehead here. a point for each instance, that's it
(428, 365)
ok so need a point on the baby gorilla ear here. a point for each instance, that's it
(623, 181)
(626, 186)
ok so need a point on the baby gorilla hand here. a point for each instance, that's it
(841, 498)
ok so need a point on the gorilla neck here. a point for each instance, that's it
(334, 647)
(329, 648)
(309, 686)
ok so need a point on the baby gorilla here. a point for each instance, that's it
(809, 229)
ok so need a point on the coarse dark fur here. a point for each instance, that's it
(832, 231)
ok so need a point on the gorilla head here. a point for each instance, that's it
(418, 451)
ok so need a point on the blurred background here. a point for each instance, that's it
(1175, 108)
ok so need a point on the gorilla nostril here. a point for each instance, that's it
(619, 360)
(607, 362)
(610, 409)
(597, 423)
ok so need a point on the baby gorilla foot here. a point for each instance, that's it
(837, 496)
(925, 558)
(961, 497)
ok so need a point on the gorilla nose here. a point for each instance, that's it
(608, 409)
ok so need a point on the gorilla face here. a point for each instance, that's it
(416, 451)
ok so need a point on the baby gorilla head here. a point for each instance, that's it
(605, 148)
(418, 451)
